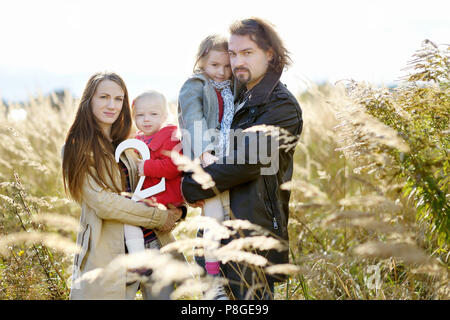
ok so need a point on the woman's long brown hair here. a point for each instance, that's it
(87, 150)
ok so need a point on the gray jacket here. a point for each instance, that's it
(198, 116)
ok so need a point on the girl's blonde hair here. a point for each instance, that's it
(151, 94)
(211, 42)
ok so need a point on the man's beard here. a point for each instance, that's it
(243, 78)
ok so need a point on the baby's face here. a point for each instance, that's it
(217, 66)
(149, 114)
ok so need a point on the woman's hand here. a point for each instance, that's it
(174, 214)
(176, 211)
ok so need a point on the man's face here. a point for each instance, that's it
(248, 62)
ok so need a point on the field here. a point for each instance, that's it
(369, 204)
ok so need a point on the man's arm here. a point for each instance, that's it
(245, 165)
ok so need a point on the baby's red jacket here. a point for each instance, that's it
(160, 165)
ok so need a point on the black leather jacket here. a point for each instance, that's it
(254, 196)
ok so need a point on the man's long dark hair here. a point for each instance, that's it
(264, 35)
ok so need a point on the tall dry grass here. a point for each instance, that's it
(353, 233)
(37, 221)
(355, 225)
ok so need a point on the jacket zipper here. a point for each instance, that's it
(275, 223)
(274, 220)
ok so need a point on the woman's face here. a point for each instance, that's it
(107, 103)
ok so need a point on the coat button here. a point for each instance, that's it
(252, 111)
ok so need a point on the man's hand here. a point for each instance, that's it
(197, 204)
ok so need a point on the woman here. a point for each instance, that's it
(95, 181)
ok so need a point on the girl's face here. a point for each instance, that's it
(217, 66)
(149, 114)
(107, 103)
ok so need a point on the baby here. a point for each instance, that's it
(149, 111)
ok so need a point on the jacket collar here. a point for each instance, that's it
(199, 75)
(261, 92)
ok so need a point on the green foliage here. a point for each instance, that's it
(370, 179)
(419, 110)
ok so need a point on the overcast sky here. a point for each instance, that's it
(47, 45)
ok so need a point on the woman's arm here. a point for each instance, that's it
(111, 206)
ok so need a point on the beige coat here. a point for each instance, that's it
(101, 236)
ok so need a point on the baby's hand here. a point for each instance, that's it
(140, 165)
(207, 158)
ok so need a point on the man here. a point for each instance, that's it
(257, 57)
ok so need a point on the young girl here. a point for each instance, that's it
(95, 181)
(149, 111)
(205, 111)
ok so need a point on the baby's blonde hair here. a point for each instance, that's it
(211, 42)
(151, 94)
